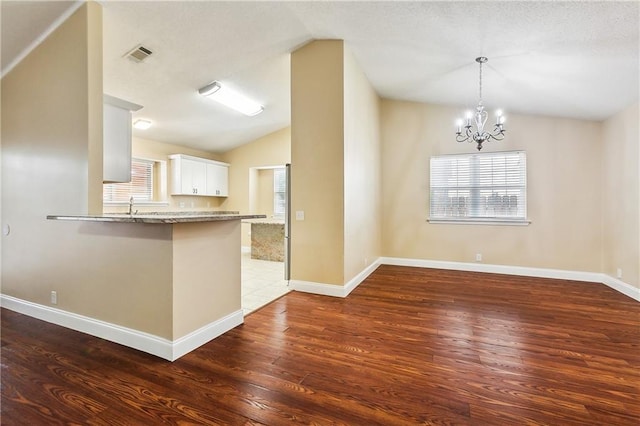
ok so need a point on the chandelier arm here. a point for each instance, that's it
(497, 136)
(461, 138)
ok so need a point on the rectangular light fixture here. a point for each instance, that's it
(142, 124)
(231, 99)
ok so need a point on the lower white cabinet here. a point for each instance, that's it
(198, 176)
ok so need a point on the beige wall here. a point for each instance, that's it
(270, 150)
(70, 123)
(206, 274)
(317, 162)
(160, 151)
(621, 195)
(336, 171)
(51, 137)
(265, 192)
(564, 191)
(362, 174)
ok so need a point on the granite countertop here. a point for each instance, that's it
(159, 217)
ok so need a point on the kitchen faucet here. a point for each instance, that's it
(131, 207)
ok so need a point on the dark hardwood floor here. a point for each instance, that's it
(408, 346)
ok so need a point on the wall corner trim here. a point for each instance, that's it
(145, 342)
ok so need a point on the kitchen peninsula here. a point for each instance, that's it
(180, 274)
(267, 239)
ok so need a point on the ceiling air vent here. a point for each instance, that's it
(139, 53)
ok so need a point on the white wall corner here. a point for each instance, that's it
(154, 345)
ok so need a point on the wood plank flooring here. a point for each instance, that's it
(408, 346)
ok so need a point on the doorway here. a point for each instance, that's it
(265, 251)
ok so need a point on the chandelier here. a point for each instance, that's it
(479, 135)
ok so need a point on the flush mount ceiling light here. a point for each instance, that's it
(479, 135)
(142, 124)
(231, 99)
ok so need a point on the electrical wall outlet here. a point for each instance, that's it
(54, 297)
(619, 273)
(300, 215)
(478, 257)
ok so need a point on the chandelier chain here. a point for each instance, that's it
(480, 97)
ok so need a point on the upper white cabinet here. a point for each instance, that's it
(117, 139)
(217, 180)
(190, 175)
(198, 176)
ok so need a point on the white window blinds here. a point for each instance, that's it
(484, 186)
(279, 188)
(140, 187)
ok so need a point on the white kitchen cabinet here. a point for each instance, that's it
(117, 139)
(198, 176)
(192, 177)
(217, 180)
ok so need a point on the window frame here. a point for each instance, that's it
(276, 200)
(158, 185)
(472, 177)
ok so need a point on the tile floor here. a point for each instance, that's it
(262, 282)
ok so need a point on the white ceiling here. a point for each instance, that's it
(569, 59)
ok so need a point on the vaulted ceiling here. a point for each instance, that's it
(569, 59)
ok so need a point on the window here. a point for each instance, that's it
(279, 191)
(487, 187)
(140, 187)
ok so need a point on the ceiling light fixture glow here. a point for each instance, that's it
(231, 99)
(479, 135)
(142, 124)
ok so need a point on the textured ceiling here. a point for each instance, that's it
(569, 59)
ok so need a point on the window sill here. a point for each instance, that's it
(136, 203)
(477, 221)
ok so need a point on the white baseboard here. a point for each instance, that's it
(333, 289)
(495, 269)
(343, 291)
(595, 277)
(322, 289)
(145, 342)
(172, 350)
(621, 286)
